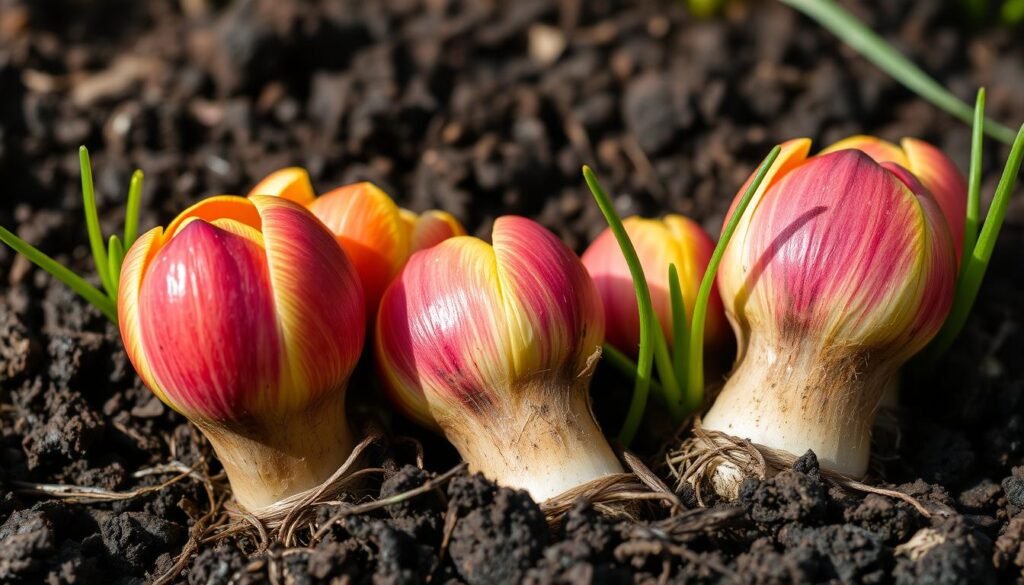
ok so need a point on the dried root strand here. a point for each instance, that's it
(696, 460)
(618, 495)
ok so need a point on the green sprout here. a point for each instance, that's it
(107, 258)
(695, 374)
(978, 247)
(642, 381)
(876, 50)
(686, 361)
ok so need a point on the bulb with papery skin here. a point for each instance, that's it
(930, 166)
(377, 235)
(495, 344)
(673, 239)
(246, 317)
(840, 270)
(430, 228)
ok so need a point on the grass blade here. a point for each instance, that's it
(75, 282)
(976, 265)
(670, 385)
(625, 365)
(645, 359)
(92, 220)
(131, 214)
(875, 49)
(694, 391)
(115, 255)
(973, 217)
(680, 325)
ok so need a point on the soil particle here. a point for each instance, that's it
(894, 521)
(422, 517)
(955, 553)
(584, 554)
(499, 532)
(70, 428)
(762, 564)
(217, 565)
(790, 497)
(50, 543)
(134, 539)
(985, 497)
(1009, 548)
(845, 553)
(1013, 487)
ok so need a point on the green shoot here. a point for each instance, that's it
(642, 376)
(680, 326)
(974, 266)
(92, 220)
(115, 255)
(107, 259)
(973, 217)
(876, 50)
(671, 389)
(695, 372)
(131, 214)
(61, 273)
(626, 366)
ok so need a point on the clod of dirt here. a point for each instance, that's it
(1009, 547)
(18, 349)
(954, 553)
(893, 520)
(397, 557)
(1013, 486)
(499, 532)
(847, 553)
(984, 497)
(49, 543)
(763, 564)
(216, 565)
(790, 496)
(70, 428)
(419, 517)
(135, 539)
(585, 555)
(24, 537)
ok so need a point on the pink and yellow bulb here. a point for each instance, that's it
(659, 243)
(495, 345)
(377, 235)
(246, 317)
(842, 268)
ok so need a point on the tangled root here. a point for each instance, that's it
(721, 460)
(620, 495)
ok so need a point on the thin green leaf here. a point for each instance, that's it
(75, 282)
(131, 214)
(695, 372)
(976, 265)
(670, 384)
(645, 359)
(973, 216)
(625, 365)
(680, 325)
(115, 255)
(92, 220)
(875, 49)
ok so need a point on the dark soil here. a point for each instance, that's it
(474, 107)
